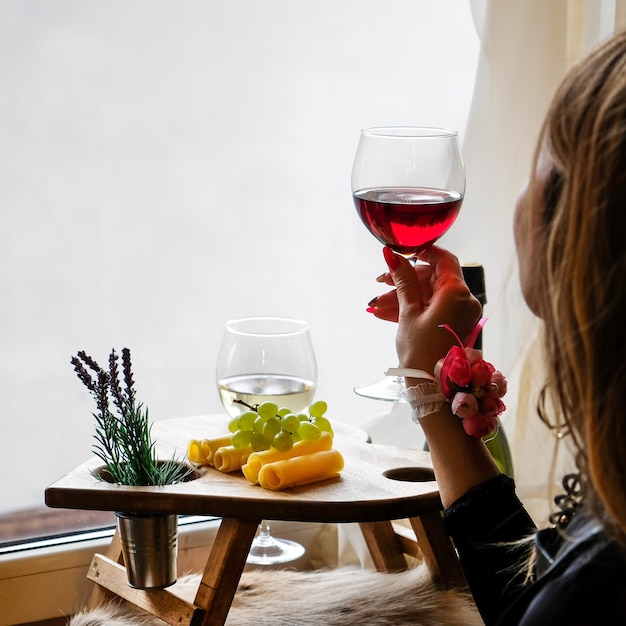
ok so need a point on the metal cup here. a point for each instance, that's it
(149, 546)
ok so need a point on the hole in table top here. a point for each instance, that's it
(410, 474)
(102, 473)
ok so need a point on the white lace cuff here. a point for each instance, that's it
(424, 398)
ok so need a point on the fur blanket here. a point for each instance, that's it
(321, 598)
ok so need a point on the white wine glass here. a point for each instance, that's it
(267, 359)
(408, 185)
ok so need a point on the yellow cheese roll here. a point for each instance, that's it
(198, 451)
(215, 443)
(201, 451)
(230, 459)
(257, 459)
(301, 470)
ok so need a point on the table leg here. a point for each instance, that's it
(384, 546)
(437, 550)
(99, 594)
(224, 568)
(162, 603)
(216, 590)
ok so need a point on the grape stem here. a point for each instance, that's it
(252, 407)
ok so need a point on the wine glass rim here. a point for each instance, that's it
(410, 132)
(259, 326)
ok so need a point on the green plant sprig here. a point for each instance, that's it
(123, 435)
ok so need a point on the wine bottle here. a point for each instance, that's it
(497, 444)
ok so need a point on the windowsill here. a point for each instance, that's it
(40, 523)
(55, 572)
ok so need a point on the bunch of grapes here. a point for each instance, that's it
(266, 426)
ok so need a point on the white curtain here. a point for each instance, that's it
(526, 47)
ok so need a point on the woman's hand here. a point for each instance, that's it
(426, 296)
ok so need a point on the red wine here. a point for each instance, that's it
(407, 219)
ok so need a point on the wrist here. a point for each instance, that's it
(470, 386)
(425, 398)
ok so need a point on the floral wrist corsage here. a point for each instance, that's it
(472, 385)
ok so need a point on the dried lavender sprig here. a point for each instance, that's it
(99, 386)
(128, 375)
(89, 361)
(114, 383)
(83, 374)
(102, 394)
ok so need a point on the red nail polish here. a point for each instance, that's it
(392, 260)
(370, 309)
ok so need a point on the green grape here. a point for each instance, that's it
(323, 424)
(283, 441)
(317, 409)
(266, 425)
(241, 439)
(267, 409)
(309, 431)
(246, 420)
(290, 423)
(259, 424)
(259, 442)
(271, 428)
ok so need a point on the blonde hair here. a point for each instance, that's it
(582, 292)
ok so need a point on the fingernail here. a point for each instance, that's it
(381, 278)
(370, 309)
(391, 259)
(372, 302)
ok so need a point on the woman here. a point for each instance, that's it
(570, 225)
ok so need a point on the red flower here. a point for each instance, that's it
(491, 405)
(456, 368)
(481, 373)
(480, 425)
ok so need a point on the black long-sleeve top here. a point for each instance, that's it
(579, 577)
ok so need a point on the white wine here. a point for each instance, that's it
(290, 391)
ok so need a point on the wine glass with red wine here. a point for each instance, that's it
(408, 185)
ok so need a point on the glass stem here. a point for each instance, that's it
(264, 537)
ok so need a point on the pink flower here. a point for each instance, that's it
(491, 405)
(481, 373)
(464, 405)
(498, 384)
(480, 425)
(472, 354)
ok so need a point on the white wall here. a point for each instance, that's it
(165, 166)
